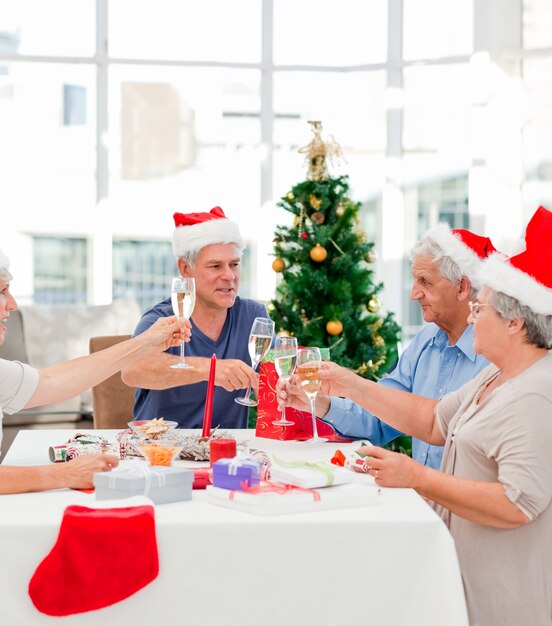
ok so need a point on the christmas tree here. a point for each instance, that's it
(327, 296)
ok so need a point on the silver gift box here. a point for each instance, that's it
(161, 484)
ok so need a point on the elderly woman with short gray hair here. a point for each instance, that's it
(494, 489)
(23, 386)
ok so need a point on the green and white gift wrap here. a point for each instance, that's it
(309, 474)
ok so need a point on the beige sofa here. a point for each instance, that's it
(45, 334)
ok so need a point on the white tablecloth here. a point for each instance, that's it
(390, 564)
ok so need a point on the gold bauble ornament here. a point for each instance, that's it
(334, 327)
(315, 202)
(290, 196)
(340, 210)
(296, 220)
(278, 265)
(318, 253)
(370, 256)
(373, 305)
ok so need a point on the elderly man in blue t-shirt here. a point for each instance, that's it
(208, 247)
(440, 358)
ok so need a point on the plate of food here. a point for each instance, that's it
(152, 429)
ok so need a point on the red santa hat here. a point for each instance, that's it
(462, 246)
(527, 276)
(196, 230)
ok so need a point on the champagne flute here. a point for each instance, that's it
(183, 302)
(308, 368)
(285, 360)
(260, 339)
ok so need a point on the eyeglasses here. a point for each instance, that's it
(475, 308)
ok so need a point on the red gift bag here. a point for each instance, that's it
(268, 411)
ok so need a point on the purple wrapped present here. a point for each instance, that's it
(231, 473)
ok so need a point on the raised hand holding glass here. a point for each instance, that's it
(260, 338)
(183, 302)
(285, 360)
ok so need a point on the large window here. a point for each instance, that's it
(60, 270)
(142, 270)
(115, 113)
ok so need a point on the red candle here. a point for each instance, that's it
(222, 449)
(208, 413)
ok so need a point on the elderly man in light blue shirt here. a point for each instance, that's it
(440, 358)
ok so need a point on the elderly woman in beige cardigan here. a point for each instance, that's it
(495, 485)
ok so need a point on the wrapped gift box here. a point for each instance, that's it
(310, 474)
(282, 501)
(160, 484)
(232, 473)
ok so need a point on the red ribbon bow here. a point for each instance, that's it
(274, 488)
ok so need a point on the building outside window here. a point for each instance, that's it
(60, 270)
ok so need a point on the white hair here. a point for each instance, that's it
(448, 268)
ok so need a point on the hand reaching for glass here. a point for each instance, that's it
(167, 332)
(289, 393)
(335, 381)
(233, 374)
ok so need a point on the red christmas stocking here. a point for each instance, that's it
(101, 557)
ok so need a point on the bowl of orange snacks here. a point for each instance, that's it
(159, 452)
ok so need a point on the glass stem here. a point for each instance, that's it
(182, 353)
(248, 392)
(284, 407)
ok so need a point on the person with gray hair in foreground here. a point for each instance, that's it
(440, 358)
(494, 490)
(24, 387)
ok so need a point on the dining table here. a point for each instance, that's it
(390, 562)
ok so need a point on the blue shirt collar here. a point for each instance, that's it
(464, 344)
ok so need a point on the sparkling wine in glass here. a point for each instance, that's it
(260, 339)
(285, 360)
(183, 302)
(308, 368)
